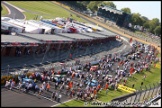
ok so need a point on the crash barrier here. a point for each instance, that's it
(152, 101)
(142, 97)
(126, 89)
(122, 98)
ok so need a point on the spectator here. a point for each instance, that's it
(53, 95)
(144, 77)
(48, 86)
(20, 85)
(59, 97)
(41, 90)
(107, 91)
(56, 96)
(12, 84)
(36, 89)
(56, 85)
(7, 84)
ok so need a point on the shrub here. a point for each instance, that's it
(4, 79)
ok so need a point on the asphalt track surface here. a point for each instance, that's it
(16, 98)
(14, 13)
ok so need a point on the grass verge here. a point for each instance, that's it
(47, 9)
(4, 10)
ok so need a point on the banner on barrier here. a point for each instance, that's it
(126, 89)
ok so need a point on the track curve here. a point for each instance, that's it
(14, 13)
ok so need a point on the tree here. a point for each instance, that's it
(153, 24)
(108, 3)
(146, 25)
(136, 19)
(85, 3)
(155, 21)
(126, 10)
(144, 19)
(157, 30)
(93, 5)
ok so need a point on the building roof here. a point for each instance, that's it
(106, 33)
(10, 24)
(46, 37)
(27, 38)
(115, 11)
(101, 34)
(75, 36)
(15, 38)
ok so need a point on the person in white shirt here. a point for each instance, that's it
(20, 85)
(7, 84)
(12, 85)
(56, 96)
(59, 97)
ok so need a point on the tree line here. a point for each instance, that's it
(153, 26)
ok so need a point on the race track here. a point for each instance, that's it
(13, 12)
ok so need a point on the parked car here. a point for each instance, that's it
(92, 83)
(27, 80)
(57, 78)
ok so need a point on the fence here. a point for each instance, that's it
(142, 97)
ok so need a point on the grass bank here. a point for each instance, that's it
(4, 10)
(47, 9)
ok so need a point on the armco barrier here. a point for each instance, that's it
(151, 101)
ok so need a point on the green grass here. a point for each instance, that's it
(151, 77)
(47, 9)
(4, 10)
(102, 97)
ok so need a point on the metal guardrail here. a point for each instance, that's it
(140, 98)
(152, 101)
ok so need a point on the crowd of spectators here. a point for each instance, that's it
(111, 70)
